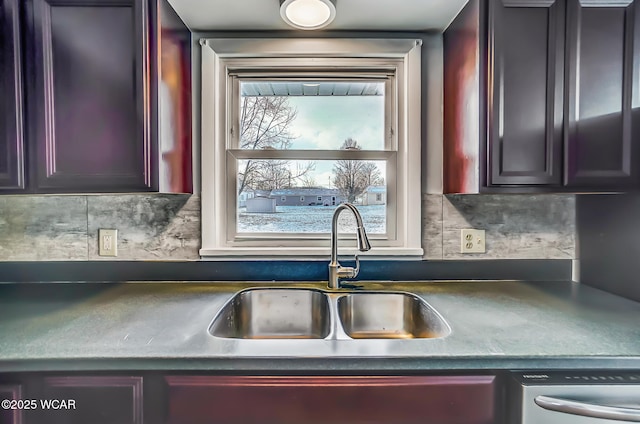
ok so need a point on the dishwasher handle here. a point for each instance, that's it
(588, 409)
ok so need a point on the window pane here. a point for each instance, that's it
(288, 196)
(307, 115)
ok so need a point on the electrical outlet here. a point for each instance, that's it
(107, 242)
(472, 241)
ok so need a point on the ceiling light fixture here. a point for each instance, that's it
(308, 14)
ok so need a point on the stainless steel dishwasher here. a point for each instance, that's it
(575, 397)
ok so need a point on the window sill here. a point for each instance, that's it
(305, 253)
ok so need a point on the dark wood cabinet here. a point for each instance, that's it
(558, 96)
(11, 392)
(12, 148)
(160, 397)
(106, 84)
(88, 118)
(91, 399)
(71, 399)
(331, 399)
(526, 94)
(602, 118)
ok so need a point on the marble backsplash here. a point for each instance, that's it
(516, 226)
(52, 228)
(167, 227)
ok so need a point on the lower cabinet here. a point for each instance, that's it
(331, 400)
(71, 400)
(96, 400)
(10, 393)
(157, 398)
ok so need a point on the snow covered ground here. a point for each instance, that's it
(310, 219)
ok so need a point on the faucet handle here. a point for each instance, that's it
(349, 272)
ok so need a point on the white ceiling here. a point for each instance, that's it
(364, 15)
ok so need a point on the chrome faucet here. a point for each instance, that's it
(336, 271)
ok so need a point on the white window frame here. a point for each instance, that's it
(223, 57)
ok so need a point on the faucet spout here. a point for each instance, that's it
(363, 240)
(336, 271)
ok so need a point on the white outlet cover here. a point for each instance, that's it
(472, 241)
(107, 242)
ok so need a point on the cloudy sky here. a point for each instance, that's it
(324, 122)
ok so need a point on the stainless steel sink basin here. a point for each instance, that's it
(381, 315)
(274, 314)
(301, 313)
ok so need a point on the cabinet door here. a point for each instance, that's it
(526, 67)
(12, 176)
(95, 400)
(602, 109)
(10, 392)
(89, 102)
(335, 400)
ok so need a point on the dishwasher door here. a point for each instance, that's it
(584, 398)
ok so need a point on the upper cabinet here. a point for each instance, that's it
(12, 152)
(107, 96)
(525, 94)
(87, 112)
(602, 117)
(556, 91)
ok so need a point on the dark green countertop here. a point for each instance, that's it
(163, 326)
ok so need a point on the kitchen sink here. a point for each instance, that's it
(300, 313)
(274, 314)
(389, 316)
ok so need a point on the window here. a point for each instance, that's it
(280, 125)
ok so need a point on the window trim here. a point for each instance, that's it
(244, 53)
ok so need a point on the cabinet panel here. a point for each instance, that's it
(461, 118)
(172, 115)
(12, 392)
(336, 400)
(526, 91)
(602, 85)
(12, 160)
(90, 106)
(97, 400)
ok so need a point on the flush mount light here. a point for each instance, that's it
(308, 14)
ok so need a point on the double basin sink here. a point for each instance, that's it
(300, 313)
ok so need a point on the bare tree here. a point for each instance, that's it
(276, 174)
(348, 177)
(265, 121)
(352, 177)
(308, 182)
(300, 174)
(271, 175)
(371, 174)
(264, 124)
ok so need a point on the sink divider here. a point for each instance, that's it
(337, 330)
